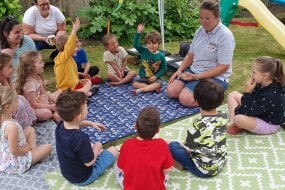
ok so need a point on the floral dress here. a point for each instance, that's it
(25, 114)
(10, 163)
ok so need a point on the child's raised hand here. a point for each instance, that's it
(76, 25)
(140, 28)
(250, 85)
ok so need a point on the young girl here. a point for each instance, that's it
(30, 83)
(18, 148)
(260, 109)
(24, 115)
(116, 58)
(153, 63)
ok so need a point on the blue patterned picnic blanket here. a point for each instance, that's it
(117, 108)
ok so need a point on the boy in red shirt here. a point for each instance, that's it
(144, 161)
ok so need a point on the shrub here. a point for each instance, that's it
(180, 18)
(10, 8)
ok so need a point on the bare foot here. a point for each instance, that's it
(233, 129)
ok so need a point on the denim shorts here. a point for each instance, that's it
(190, 85)
(103, 161)
(180, 154)
(264, 128)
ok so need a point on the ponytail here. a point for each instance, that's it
(279, 74)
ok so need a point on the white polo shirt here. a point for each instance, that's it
(43, 26)
(213, 48)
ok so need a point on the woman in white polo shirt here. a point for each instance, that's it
(43, 20)
(210, 56)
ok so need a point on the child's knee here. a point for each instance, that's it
(113, 150)
(43, 114)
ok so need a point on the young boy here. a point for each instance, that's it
(153, 63)
(87, 71)
(204, 152)
(116, 58)
(144, 161)
(65, 68)
(81, 162)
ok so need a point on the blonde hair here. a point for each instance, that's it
(7, 95)
(25, 69)
(4, 60)
(60, 42)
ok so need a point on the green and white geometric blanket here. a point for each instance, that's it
(254, 162)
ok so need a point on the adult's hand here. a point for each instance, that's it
(174, 76)
(187, 76)
(8, 51)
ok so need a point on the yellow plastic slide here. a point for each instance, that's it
(266, 19)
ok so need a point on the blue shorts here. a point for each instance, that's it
(190, 85)
(180, 154)
(145, 80)
(43, 45)
(103, 161)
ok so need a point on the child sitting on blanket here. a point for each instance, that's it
(261, 107)
(81, 162)
(32, 86)
(116, 58)
(87, 71)
(153, 63)
(144, 161)
(65, 69)
(204, 151)
(18, 148)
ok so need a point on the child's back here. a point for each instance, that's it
(9, 162)
(204, 150)
(65, 68)
(144, 161)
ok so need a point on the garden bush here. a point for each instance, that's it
(10, 8)
(180, 18)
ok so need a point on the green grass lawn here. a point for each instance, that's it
(251, 42)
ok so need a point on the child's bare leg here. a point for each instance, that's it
(138, 85)
(86, 87)
(151, 87)
(53, 96)
(40, 152)
(114, 151)
(43, 114)
(177, 165)
(131, 75)
(234, 99)
(113, 78)
(146, 87)
(245, 122)
(30, 136)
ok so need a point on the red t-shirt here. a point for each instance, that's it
(142, 162)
